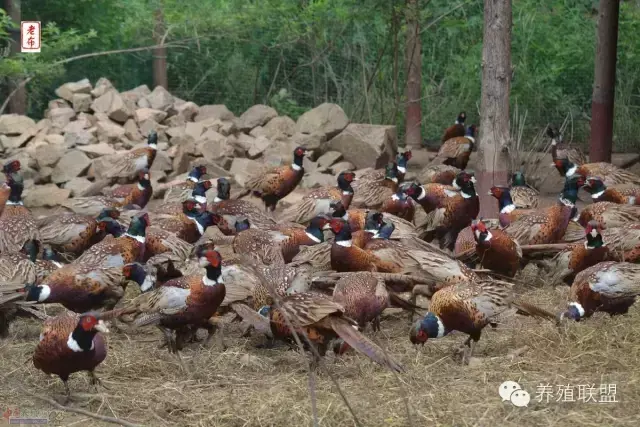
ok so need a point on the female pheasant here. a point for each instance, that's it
(438, 174)
(610, 174)
(189, 225)
(609, 215)
(230, 210)
(621, 194)
(17, 224)
(71, 343)
(318, 201)
(180, 192)
(321, 320)
(609, 286)
(73, 233)
(273, 184)
(496, 250)
(374, 178)
(372, 194)
(129, 164)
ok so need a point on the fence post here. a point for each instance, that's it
(413, 134)
(604, 82)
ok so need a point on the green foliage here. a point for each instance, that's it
(295, 55)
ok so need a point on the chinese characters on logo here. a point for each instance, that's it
(584, 393)
(30, 36)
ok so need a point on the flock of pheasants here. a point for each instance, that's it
(323, 268)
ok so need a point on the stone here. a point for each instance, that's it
(329, 158)
(15, 124)
(144, 103)
(109, 131)
(342, 167)
(216, 112)
(187, 110)
(81, 102)
(97, 150)
(143, 114)
(74, 163)
(48, 154)
(329, 119)
(258, 147)
(244, 141)
(176, 132)
(77, 185)
(67, 90)
(149, 125)
(241, 169)
(160, 99)
(214, 150)
(44, 175)
(102, 86)
(162, 162)
(48, 195)
(227, 127)
(309, 165)
(74, 126)
(257, 115)
(317, 142)
(194, 130)
(112, 104)
(82, 137)
(280, 128)
(257, 131)
(57, 103)
(182, 159)
(131, 130)
(175, 121)
(20, 141)
(317, 179)
(54, 139)
(61, 116)
(367, 145)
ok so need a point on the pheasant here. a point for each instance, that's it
(610, 174)
(621, 194)
(318, 201)
(319, 319)
(230, 209)
(497, 250)
(609, 215)
(400, 205)
(372, 194)
(71, 343)
(17, 224)
(523, 196)
(189, 225)
(129, 164)
(438, 174)
(547, 225)
(178, 193)
(273, 184)
(181, 303)
(623, 242)
(457, 151)
(135, 195)
(357, 219)
(468, 308)
(608, 286)
(455, 130)
(376, 177)
(198, 194)
(73, 233)
(561, 151)
(452, 215)
(431, 196)
(578, 256)
(508, 212)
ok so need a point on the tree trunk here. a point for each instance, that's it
(159, 54)
(18, 103)
(604, 82)
(493, 138)
(413, 136)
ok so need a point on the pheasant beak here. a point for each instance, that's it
(101, 327)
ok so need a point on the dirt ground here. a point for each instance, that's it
(248, 386)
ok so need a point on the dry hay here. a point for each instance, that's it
(245, 386)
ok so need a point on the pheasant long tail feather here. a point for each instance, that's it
(528, 309)
(362, 344)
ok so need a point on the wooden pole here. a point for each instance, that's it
(18, 102)
(604, 85)
(160, 53)
(413, 115)
(493, 138)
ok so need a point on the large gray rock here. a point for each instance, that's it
(77, 185)
(14, 142)
(97, 150)
(131, 131)
(279, 128)
(329, 119)
(61, 117)
(316, 142)
(187, 110)
(367, 145)
(48, 154)
(81, 137)
(45, 195)
(81, 102)
(112, 104)
(103, 85)
(71, 165)
(162, 162)
(15, 124)
(257, 115)
(242, 169)
(215, 112)
(329, 158)
(160, 99)
(67, 90)
(142, 114)
(109, 131)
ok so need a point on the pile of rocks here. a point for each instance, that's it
(89, 124)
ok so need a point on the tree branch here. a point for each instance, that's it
(83, 412)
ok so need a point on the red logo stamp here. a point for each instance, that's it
(30, 36)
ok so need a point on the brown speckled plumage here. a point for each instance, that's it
(363, 296)
(496, 250)
(609, 215)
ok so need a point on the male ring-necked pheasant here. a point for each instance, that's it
(232, 209)
(621, 194)
(457, 151)
(17, 224)
(609, 173)
(523, 196)
(496, 250)
(455, 130)
(181, 192)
